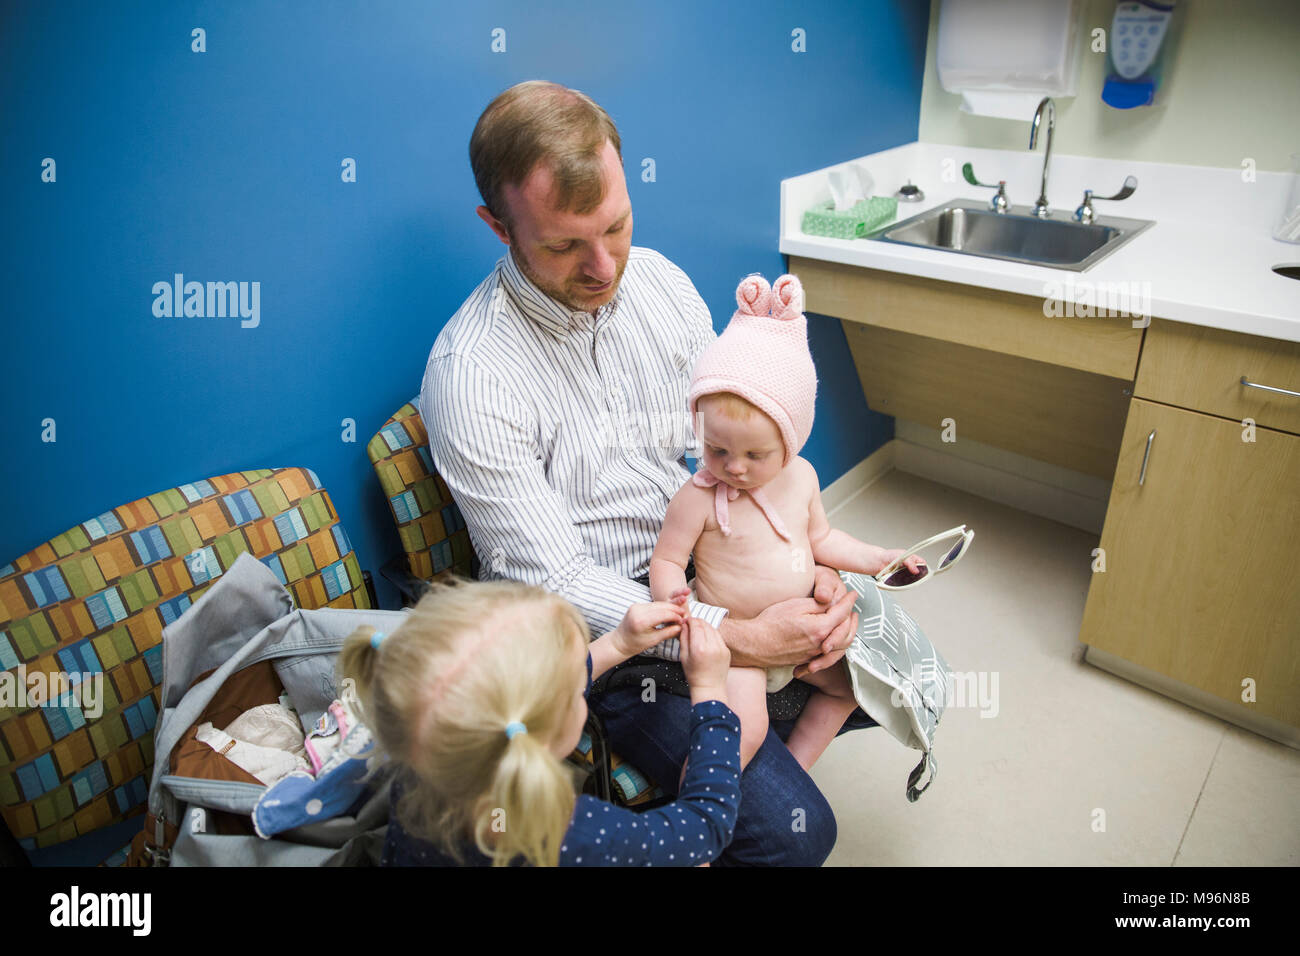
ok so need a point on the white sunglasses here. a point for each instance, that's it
(896, 576)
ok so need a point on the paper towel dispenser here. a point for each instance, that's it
(1003, 56)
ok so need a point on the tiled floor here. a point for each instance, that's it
(1065, 764)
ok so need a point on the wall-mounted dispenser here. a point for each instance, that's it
(1003, 56)
(1138, 52)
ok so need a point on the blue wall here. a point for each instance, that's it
(225, 166)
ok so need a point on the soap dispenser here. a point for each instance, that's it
(1139, 52)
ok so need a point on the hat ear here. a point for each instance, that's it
(787, 298)
(754, 295)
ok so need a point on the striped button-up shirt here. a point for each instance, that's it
(563, 437)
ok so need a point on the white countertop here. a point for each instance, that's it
(1207, 260)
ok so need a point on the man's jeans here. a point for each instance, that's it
(783, 821)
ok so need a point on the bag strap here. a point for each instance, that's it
(913, 793)
(152, 846)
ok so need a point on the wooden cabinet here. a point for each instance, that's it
(1195, 367)
(1200, 580)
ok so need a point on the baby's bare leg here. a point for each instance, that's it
(823, 715)
(747, 694)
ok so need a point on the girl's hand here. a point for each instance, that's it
(705, 659)
(639, 630)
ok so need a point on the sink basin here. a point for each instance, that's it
(969, 227)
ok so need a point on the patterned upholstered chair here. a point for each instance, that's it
(436, 543)
(92, 603)
(430, 526)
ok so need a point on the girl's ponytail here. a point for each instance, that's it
(357, 663)
(531, 797)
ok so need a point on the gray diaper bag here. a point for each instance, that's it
(899, 678)
(245, 630)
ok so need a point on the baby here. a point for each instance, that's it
(751, 403)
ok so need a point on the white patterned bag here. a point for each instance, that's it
(899, 678)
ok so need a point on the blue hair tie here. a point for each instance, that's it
(376, 639)
(515, 727)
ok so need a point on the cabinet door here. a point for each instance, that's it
(1200, 580)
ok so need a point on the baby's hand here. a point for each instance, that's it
(914, 563)
(681, 597)
(640, 628)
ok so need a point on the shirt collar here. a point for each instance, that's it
(555, 317)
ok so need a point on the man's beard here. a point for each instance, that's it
(562, 296)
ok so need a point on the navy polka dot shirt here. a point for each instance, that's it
(693, 829)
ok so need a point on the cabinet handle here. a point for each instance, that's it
(1147, 454)
(1269, 388)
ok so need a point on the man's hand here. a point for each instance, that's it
(830, 589)
(809, 633)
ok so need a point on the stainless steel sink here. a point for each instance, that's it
(969, 227)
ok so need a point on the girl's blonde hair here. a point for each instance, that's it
(438, 692)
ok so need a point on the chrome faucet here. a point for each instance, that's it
(999, 202)
(1085, 213)
(1040, 205)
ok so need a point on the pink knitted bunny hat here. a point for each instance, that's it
(764, 359)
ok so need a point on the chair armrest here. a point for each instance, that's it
(398, 575)
(600, 764)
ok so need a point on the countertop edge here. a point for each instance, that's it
(928, 264)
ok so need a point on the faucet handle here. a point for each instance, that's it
(999, 201)
(1130, 185)
(968, 171)
(1085, 213)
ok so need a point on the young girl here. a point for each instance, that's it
(481, 693)
(751, 403)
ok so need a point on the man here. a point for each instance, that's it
(555, 402)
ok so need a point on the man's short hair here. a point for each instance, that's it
(539, 122)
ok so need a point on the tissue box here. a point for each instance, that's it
(856, 222)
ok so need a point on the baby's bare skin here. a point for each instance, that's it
(754, 568)
(748, 571)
